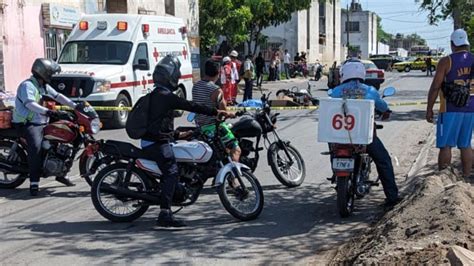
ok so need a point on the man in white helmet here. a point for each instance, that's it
(352, 87)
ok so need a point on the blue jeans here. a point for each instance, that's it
(383, 162)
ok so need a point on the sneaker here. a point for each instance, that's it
(34, 189)
(65, 181)
(166, 219)
(389, 204)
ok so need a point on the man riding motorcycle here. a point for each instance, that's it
(160, 131)
(352, 87)
(30, 116)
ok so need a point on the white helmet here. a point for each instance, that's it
(234, 53)
(352, 70)
(226, 59)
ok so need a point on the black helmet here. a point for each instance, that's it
(45, 69)
(167, 72)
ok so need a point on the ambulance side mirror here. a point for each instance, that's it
(142, 65)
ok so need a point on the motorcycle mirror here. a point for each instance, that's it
(191, 117)
(329, 92)
(389, 91)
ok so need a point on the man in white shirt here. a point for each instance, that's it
(286, 61)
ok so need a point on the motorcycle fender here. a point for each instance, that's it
(228, 169)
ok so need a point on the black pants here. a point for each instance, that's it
(34, 137)
(248, 89)
(162, 154)
(259, 78)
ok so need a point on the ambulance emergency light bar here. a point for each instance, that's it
(102, 25)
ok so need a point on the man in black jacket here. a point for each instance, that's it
(156, 143)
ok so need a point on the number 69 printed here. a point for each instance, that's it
(339, 121)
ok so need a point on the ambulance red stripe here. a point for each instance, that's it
(139, 83)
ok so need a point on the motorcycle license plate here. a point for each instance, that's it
(342, 164)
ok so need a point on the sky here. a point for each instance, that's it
(405, 16)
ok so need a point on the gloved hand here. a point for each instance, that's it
(53, 114)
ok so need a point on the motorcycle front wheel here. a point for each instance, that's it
(243, 202)
(113, 206)
(345, 196)
(85, 163)
(291, 172)
(11, 180)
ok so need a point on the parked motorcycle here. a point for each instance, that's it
(351, 165)
(286, 162)
(298, 70)
(125, 189)
(62, 141)
(299, 96)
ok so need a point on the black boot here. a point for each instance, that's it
(34, 189)
(166, 219)
(65, 181)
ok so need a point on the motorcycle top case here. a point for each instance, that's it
(357, 127)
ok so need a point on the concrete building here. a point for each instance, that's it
(315, 31)
(39, 28)
(359, 30)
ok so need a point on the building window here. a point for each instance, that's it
(169, 7)
(116, 6)
(352, 26)
(54, 40)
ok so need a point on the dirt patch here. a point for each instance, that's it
(437, 214)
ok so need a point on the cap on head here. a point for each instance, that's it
(459, 38)
(45, 69)
(167, 72)
(234, 53)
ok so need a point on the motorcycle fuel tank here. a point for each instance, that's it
(192, 151)
(60, 131)
(247, 127)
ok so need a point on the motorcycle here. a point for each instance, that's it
(351, 165)
(62, 141)
(125, 189)
(299, 96)
(284, 159)
(298, 70)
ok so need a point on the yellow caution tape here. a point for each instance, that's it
(282, 108)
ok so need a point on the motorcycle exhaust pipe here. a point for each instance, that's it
(128, 193)
(13, 168)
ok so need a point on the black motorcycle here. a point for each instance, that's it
(284, 159)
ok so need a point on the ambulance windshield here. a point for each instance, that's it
(96, 52)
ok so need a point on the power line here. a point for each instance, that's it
(404, 21)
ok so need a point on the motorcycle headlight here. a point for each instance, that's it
(95, 125)
(102, 86)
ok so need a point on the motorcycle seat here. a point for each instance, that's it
(9, 133)
(123, 149)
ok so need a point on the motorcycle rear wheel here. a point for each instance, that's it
(345, 196)
(233, 199)
(18, 179)
(288, 175)
(139, 182)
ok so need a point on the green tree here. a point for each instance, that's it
(382, 36)
(460, 10)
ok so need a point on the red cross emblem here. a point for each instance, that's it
(144, 83)
(156, 54)
(185, 53)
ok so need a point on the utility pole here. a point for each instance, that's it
(458, 23)
(347, 26)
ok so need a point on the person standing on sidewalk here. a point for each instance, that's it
(236, 65)
(248, 77)
(456, 116)
(286, 61)
(428, 66)
(259, 67)
(227, 82)
(277, 65)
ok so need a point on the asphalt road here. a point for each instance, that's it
(298, 225)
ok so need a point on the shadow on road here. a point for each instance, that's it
(297, 222)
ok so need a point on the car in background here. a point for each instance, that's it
(374, 76)
(417, 64)
(382, 61)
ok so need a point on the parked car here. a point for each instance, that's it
(382, 61)
(417, 64)
(373, 75)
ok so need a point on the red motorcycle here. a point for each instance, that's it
(63, 139)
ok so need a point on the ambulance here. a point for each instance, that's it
(108, 60)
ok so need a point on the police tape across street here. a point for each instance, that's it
(277, 108)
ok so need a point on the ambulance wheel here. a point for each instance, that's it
(120, 117)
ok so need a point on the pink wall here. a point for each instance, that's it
(22, 41)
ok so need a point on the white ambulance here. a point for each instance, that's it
(109, 59)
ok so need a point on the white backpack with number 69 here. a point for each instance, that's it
(355, 125)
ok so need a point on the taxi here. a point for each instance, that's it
(417, 64)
